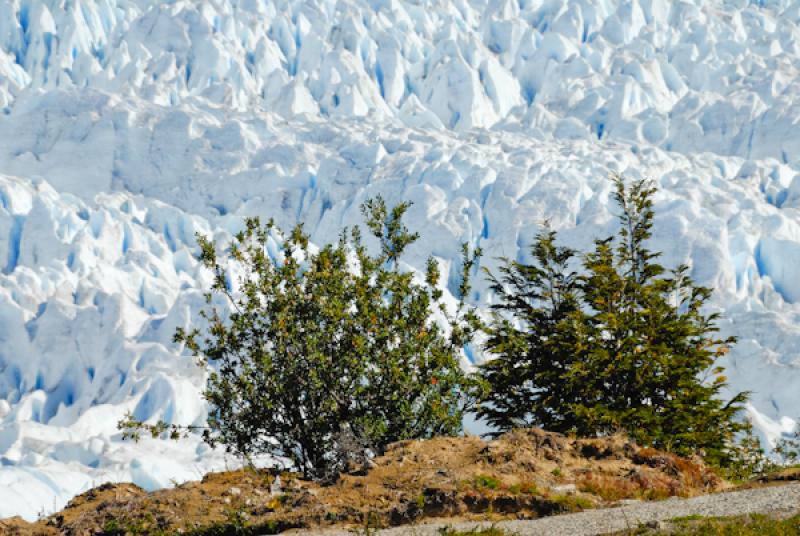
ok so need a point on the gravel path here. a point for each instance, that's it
(593, 522)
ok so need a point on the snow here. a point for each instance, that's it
(126, 126)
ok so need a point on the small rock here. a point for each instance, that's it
(275, 487)
(234, 491)
(565, 489)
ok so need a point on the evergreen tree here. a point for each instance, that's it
(628, 353)
(652, 349)
(532, 338)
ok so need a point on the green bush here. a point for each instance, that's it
(326, 356)
(621, 344)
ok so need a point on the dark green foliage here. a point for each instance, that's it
(533, 335)
(329, 352)
(622, 346)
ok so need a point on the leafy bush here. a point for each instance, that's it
(323, 353)
(621, 345)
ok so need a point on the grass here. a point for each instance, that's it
(486, 482)
(753, 525)
(750, 525)
(686, 519)
(572, 503)
(236, 524)
(614, 488)
(527, 488)
(134, 527)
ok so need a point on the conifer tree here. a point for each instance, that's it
(633, 350)
(532, 337)
(652, 348)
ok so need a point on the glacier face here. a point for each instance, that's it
(127, 126)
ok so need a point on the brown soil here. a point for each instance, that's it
(522, 474)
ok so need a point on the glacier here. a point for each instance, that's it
(127, 126)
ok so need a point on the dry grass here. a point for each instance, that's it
(523, 474)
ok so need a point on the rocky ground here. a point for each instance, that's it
(522, 475)
(634, 517)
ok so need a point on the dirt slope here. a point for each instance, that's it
(523, 474)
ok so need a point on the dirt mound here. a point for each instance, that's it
(523, 474)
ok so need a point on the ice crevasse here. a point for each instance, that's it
(127, 126)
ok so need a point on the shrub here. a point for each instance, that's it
(321, 353)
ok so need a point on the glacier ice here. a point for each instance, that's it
(127, 126)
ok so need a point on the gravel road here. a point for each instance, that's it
(783, 498)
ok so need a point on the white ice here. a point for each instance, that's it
(127, 126)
